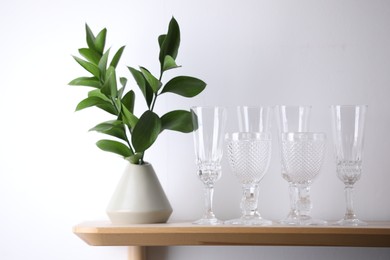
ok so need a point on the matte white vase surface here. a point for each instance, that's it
(139, 198)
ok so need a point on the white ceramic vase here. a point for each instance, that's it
(139, 198)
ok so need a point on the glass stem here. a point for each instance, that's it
(303, 203)
(249, 201)
(349, 214)
(209, 193)
(293, 192)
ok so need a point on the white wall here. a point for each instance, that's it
(249, 52)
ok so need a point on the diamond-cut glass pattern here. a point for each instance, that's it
(302, 156)
(249, 156)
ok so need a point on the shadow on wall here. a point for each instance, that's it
(265, 252)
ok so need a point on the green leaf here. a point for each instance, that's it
(149, 94)
(113, 128)
(153, 81)
(184, 86)
(110, 88)
(89, 102)
(123, 82)
(195, 123)
(98, 93)
(177, 120)
(106, 125)
(137, 75)
(92, 68)
(117, 57)
(146, 131)
(107, 105)
(103, 63)
(118, 105)
(86, 81)
(111, 77)
(171, 43)
(90, 38)
(129, 118)
(161, 39)
(169, 63)
(90, 55)
(100, 41)
(114, 147)
(143, 85)
(129, 100)
(117, 131)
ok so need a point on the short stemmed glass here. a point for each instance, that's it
(209, 129)
(302, 159)
(348, 135)
(249, 152)
(292, 118)
(249, 156)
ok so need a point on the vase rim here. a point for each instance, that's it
(144, 164)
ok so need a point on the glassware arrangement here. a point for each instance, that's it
(348, 136)
(302, 158)
(209, 129)
(292, 119)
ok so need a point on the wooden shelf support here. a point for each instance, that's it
(136, 253)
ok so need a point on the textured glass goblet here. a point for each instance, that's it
(209, 129)
(249, 156)
(302, 159)
(348, 135)
(292, 118)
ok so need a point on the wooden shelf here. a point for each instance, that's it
(376, 234)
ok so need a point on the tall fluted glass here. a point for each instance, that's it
(348, 135)
(292, 118)
(254, 119)
(296, 119)
(302, 158)
(209, 129)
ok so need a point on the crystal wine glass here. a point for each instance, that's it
(292, 118)
(253, 118)
(249, 156)
(302, 159)
(348, 136)
(209, 129)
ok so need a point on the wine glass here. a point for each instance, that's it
(348, 135)
(302, 159)
(209, 129)
(253, 118)
(292, 118)
(249, 156)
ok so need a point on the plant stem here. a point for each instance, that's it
(156, 94)
(153, 102)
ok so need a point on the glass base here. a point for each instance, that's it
(249, 221)
(350, 222)
(208, 221)
(303, 221)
